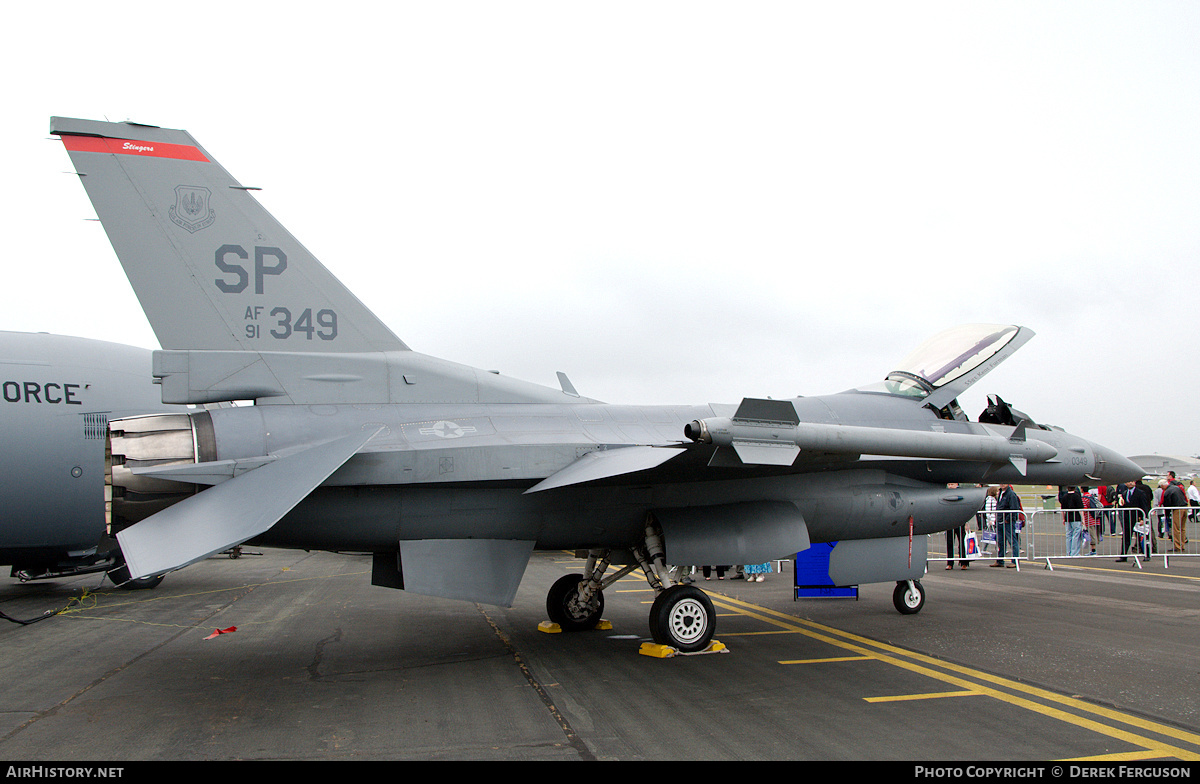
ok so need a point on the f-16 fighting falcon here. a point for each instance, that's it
(451, 476)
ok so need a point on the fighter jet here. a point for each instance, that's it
(451, 476)
(57, 394)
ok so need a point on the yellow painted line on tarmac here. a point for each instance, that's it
(937, 695)
(1129, 756)
(1050, 704)
(1131, 572)
(825, 660)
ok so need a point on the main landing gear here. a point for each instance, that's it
(575, 602)
(682, 616)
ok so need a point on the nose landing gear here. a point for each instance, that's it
(909, 597)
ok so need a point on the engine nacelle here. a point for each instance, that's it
(144, 442)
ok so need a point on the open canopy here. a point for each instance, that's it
(949, 362)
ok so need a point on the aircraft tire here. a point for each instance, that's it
(562, 608)
(120, 578)
(682, 617)
(909, 602)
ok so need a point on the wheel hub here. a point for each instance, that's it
(577, 610)
(687, 620)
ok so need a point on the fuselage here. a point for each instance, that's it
(452, 471)
(57, 394)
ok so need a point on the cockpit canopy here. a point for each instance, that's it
(951, 361)
(946, 357)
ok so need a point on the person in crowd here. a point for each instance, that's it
(1144, 500)
(1193, 494)
(1163, 520)
(959, 535)
(1091, 517)
(1071, 502)
(987, 527)
(755, 573)
(1178, 483)
(1127, 510)
(1108, 500)
(1175, 501)
(1008, 507)
(1018, 527)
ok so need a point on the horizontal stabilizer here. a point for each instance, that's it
(608, 463)
(231, 512)
(213, 473)
(475, 570)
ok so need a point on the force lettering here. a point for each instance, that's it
(34, 392)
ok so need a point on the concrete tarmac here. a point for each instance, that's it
(1095, 661)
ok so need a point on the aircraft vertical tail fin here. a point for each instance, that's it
(212, 269)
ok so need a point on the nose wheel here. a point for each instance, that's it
(909, 597)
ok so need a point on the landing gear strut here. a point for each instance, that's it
(576, 601)
(682, 616)
(565, 607)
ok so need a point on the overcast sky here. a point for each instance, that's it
(672, 202)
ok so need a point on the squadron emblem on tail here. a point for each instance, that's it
(191, 209)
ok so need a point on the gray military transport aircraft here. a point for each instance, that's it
(451, 476)
(57, 394)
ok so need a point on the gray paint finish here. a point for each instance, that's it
(463, 460)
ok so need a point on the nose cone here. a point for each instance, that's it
(1114, 468)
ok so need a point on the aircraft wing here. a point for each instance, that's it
(609, 463)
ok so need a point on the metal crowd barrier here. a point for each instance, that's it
(1111, 532)
(987, 547)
